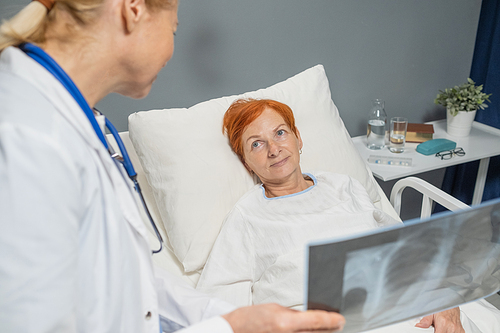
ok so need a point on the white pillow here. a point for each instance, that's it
(196, 178)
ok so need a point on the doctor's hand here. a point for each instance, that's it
(277, 319)
(444, 322)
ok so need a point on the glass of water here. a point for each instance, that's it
(397, 135)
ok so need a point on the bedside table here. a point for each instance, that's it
(482, 143)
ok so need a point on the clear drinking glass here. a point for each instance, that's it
(397, 135)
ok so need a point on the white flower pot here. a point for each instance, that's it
(461, 124)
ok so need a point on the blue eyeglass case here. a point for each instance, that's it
(434, 146)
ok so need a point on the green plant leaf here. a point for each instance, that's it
(467, 97)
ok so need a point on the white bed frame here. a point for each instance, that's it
(430, 194)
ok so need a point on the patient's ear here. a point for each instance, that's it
(246, 166)
(300, 139)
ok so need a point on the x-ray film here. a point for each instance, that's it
(398, 273)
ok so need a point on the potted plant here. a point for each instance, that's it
(461, 104)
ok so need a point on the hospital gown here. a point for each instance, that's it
(258, 256)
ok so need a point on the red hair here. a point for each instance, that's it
(244, 111)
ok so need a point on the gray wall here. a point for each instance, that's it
(402, 51)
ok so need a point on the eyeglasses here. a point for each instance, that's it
(447, 154)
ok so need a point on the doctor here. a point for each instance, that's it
(73, 249)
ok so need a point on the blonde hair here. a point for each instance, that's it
(30, 24)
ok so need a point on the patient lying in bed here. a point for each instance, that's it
(258, 255)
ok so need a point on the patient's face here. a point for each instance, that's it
(271, 149)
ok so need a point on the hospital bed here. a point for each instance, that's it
(191, 179)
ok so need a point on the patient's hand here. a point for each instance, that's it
(275, 318)
(444, 322)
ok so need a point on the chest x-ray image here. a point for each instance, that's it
(404, 272)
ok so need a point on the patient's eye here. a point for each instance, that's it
(281, 134)
(255, 144)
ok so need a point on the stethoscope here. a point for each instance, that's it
(48, 63)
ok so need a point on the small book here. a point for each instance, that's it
(419, 132)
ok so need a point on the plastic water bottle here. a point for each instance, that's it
(377, 123)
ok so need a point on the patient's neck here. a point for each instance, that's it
(288, 186)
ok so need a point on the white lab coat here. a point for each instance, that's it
(73, 248)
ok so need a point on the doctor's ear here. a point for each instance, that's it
(132, 13)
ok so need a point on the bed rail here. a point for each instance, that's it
(430, 193)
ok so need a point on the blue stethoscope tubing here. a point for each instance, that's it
(40, 56)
